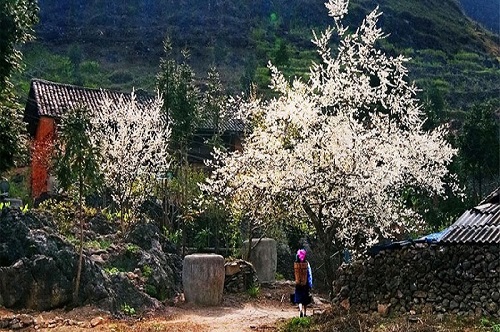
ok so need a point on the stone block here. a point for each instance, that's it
(203, 279)
(263, 257)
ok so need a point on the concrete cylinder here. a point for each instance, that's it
(203, 279)
(263, 258)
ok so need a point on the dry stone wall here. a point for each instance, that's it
(459, 279)
(240, 276)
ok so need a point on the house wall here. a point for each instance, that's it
(41, 152)
(459, 279)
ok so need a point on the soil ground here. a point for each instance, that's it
(238, 312)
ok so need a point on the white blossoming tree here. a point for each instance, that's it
(339, 149)
(132, 140)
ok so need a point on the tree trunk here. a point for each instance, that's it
(327, 248)
(216, 244)
(80, 255)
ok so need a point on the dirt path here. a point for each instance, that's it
(252, 316)
(238, 312)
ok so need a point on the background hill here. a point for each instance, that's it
(485, 12)
(117, 44)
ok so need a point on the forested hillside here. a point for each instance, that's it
(117, 44)
(485, 12)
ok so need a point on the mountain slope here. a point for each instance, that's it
(118, 43)
(485, 12)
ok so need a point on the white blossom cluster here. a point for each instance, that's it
(132, 139)
(339, 148)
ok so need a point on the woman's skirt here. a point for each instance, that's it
(302, 295)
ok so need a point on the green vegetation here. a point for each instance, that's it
(479, 147)
(457, 70)
(98, 244)
(151, 290)
(147, 271)
(76, 167)
(173, 236)
(279, 276)
(127, 309)
(356, 322)
(4, 205)
(63, 213)
(19, 180)
(490, 324)
(132, 248)
(297, 324)
(157, 293)
(112, 270)
(122, 49)
(254, 290)
(16, 19)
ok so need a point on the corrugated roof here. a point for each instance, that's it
(54, 99)
(480, 224)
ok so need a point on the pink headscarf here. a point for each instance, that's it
(301, 253)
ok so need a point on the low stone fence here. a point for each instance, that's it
(459, 279)
(240, 276)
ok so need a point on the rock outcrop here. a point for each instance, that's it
(38, 265)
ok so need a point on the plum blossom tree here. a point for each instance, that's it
(339, 149)
(131, 137)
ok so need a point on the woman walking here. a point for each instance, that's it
(303, 282)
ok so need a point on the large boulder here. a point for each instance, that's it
(38, 267)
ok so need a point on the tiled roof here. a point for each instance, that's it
(228, 125)
(477, 225)
(54, 99)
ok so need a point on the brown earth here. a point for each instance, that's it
(238, 312)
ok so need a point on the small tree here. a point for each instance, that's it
(479, 147)
(181, 104)
(338, 150)
(131, 138)
(215, 115)
(76, 167)
(214, 103)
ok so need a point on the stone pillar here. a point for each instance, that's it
(263, 258)
(203, 279)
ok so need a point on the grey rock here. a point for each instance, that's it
(38, 268)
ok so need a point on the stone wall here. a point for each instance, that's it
(240, 276)
(459, 279)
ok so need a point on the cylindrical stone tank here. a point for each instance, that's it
(263, 258)
(203, 279)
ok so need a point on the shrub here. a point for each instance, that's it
(254, 290)
(297, 324)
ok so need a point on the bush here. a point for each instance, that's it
(297, 324)
(254, 291)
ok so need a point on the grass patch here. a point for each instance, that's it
(98, 244)
(112, 270)
(254, 291)
(297, 324)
